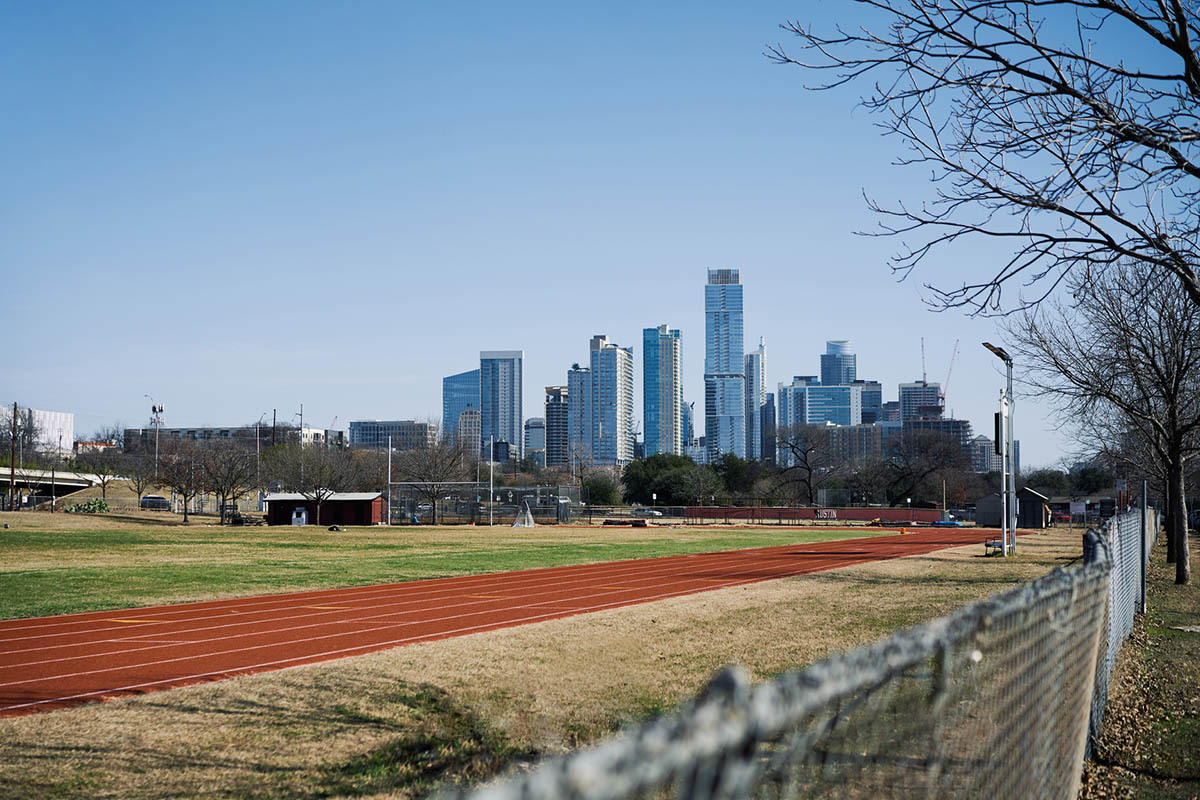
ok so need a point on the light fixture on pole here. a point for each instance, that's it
(1008, 494)
(156, 411)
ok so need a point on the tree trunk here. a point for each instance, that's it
(1179, 528)
(1169, 518)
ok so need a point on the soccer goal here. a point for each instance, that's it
(524, 518)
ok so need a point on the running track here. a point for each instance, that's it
(55, 662)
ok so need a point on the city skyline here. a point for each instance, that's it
(246, 232)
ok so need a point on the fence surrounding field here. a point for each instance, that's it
(991, 700)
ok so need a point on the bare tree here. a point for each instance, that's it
(919, 457)
(432, 469)
(181, 468)
(230, 470)
(101, 466)
(315, 472)
(1130, 342)
(113, 434)
(806, 460)
(1067, 130)
(138, 469)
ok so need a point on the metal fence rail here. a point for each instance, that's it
(992, 700)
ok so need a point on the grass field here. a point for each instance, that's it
(396, 723)
(118, 562)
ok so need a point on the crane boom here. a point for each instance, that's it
(950, 369)
(924, 377)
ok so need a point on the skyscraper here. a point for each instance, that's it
(756, 396)
(500, 373)
(662, 390)
(724, 375)
(579, 416)
(557, 416)
(920, 399)
(459, 392)
(612, 402)
(839, 365)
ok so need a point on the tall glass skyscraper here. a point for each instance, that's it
(756, 396)
(459, 392)
(612, 402)
(839, 365)
(662, 390)
(579, 416)
(500, 377)
(724, 365)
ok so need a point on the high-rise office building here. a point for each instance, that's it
(689, 424)
(920, 399)
(767, 417)
(724, 365)
(756, 396)
(459, 392)
(839, 364)
(612, 402)
(872, 401)
(807, 402)
(535, 440)
(469, 424)
(557, 439)
(662, 390)
(500, 380)
(579, 417)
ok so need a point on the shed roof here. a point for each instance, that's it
(295, 496)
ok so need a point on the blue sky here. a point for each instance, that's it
(243, 207)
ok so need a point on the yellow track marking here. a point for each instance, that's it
(136, 621)
(332, 608)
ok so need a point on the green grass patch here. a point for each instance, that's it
(45, 572)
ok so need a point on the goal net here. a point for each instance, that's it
(524, 518)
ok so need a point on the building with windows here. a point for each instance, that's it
(459, 392)
(839, 364)
(500, 381)
(54, 430)
(469, 436)
(920, 399)
(724, 365)
(404, 434)
(872, 401)
(984, 457)
(612, 402)
(579, 417)
(960, 429)
(756, 396)
(557, 426)
(890, 411)
(141, 440)
(806, 402)
(535, 440)
(662, 390)
(767, 443)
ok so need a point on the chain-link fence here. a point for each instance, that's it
(1129, 538)
(991, 700)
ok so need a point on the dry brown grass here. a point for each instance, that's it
(325, 729)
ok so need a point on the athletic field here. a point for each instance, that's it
(396, 721)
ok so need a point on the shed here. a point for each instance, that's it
(340, 508)
(1033, 512)
(987, 511)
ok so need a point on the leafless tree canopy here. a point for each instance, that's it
(1129, 343)
(229, 471)
(1063, 130)
(432, 468)
(807, 460)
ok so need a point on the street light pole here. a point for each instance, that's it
(1008, 473)
(156, 418)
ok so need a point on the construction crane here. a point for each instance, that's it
(946, 384)
(924, 379)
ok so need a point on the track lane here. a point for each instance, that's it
(53, 662)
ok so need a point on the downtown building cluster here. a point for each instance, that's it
(589, 420)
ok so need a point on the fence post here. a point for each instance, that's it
(1142, 539)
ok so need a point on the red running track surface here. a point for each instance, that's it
(55, 662)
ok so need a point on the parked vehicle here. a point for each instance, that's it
(646, 512)
(154, 502)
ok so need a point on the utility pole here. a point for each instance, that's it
(389, 482)
(491, 493)
(12, 463)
